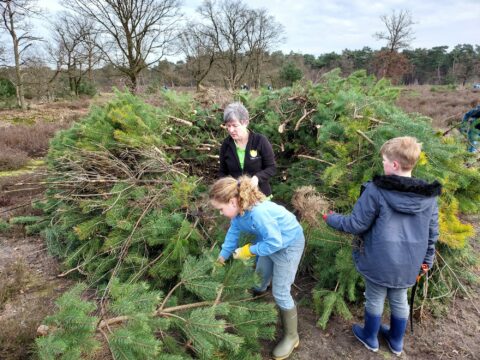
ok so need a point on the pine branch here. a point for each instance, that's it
(180, 121)
(313, 158)
(305, 114)
(170, 293)
(362, 134)
(126, 246)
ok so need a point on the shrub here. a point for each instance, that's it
(4, 226)
(290, 73)
(87, 88)
(12, 279)
(32, 140)
(11, 159)
(7, 89)
(19, 326)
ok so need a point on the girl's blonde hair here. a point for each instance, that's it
(227, 188)
(406, 150)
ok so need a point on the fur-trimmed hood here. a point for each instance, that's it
(406, 194)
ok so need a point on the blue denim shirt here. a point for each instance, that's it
(274, 226)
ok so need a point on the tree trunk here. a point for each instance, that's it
(90, 65)
(18, 74)
(133, 83)
(71, 83)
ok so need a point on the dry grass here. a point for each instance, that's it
(17, 338)
(76, 104)
(11, 158)
(210, 96)
(33, 140)
(206, 97)
(444, 105)
(16, 200)
(27, 135)
(28, 289)
(29, 302)
(310, 204)
(13, 279)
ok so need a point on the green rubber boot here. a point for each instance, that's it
(290, 335)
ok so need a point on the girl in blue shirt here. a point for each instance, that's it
(279, 245)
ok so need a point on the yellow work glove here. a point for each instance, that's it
(243, 253)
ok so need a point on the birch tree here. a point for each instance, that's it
(14, 20)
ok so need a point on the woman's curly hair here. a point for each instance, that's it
(228, 188)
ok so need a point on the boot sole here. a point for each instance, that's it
(384, 333)
(290, 353)
(398, 353)
(365, 344)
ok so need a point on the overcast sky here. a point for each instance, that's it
(321, 26)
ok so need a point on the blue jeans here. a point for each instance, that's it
(375, 298)
(280, 268)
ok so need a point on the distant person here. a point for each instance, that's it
(397, 218)
(280, 241)
(244, 152)
(471, 127)
(270, 87)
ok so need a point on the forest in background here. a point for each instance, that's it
(95, 45)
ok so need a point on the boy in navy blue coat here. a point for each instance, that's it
(397, 218)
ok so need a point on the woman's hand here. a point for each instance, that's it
(254, 180)
(221, 260)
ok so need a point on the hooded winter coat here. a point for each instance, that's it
(397, 220)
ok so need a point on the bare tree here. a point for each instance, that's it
(226, 26)
(74, 49)
(399, 35)
(399, 32)
(199, 51)
(14, 16)
(2, 54)
(262, 34)
(135, 33)
(240, 35)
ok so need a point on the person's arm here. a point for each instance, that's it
(270, 237)
(268, 161)
(231, 241)
(363, 215)
(223, 169)
(432, 237)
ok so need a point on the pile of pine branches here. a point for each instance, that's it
(126, 212)
(130, 222)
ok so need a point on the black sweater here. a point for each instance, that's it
(259, 160)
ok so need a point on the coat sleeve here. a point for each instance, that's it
(268, 161)
(432, 237)
(231, 241)
(364, 213)
(223, 170)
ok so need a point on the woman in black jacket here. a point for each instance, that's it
(244, 152)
